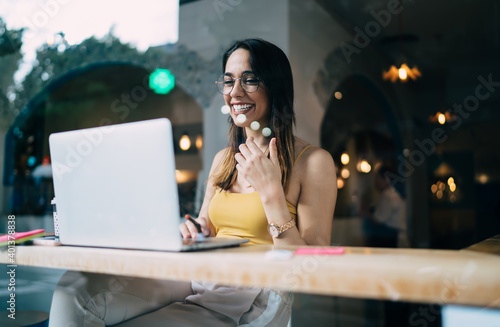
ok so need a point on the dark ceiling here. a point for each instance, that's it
(453, 42)
(444, 34)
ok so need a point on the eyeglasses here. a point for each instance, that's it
(249, 82)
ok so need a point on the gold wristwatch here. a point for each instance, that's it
(276, 231)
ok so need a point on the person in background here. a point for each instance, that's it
(42, 177)
(385, 223)
(385, 226)
(267, 185)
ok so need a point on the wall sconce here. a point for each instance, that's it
(199, 141)
(185, 142)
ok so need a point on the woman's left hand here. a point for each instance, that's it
(256, 168)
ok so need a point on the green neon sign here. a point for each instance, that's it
(161, 81)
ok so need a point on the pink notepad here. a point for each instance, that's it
(21, 237)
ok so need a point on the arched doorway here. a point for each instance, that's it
(359, 122)
(95, 95)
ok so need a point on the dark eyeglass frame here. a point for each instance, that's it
(224, 89)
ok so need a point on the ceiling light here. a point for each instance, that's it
(442, 117)
(402, 73)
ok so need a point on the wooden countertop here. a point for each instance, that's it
(490, 245)
(418, 275)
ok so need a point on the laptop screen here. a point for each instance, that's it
(115, 186)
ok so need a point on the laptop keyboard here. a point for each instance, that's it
(190, 241)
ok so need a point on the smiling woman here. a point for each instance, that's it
(267, 186)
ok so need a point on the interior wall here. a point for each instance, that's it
(208, 28)
(320, 63)
(313, 34)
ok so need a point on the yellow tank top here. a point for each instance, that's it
(242, 215)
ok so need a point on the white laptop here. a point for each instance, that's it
(115, 187)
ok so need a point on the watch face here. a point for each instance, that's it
(273, 230)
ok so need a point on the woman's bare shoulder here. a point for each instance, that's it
(299, 145)
(218, 159)
(313, 158)
(221, 154)
(312, 152)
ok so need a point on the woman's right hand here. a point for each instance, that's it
(189, 230)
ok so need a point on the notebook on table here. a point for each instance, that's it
(115, 187)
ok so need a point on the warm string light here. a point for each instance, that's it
(344, 158)
(445, 191)
(483, 178)
(364, 167)
(344, 173)
(340, 183)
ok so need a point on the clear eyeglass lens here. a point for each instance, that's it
(249, 82)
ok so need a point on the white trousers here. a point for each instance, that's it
(96, 300)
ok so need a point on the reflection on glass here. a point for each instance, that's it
(344, 158)
(185, 142)
(199, 141)
(241, 118)
(364, 167)
(340, 183)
